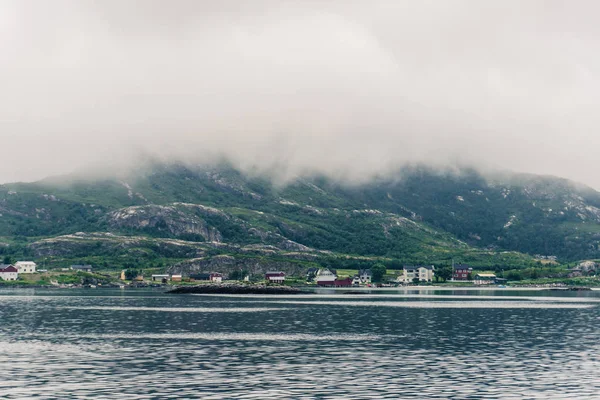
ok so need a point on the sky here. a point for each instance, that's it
(341, 87)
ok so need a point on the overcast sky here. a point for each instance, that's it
(348, 88)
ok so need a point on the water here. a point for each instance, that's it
(143, 344)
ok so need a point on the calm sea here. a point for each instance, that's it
(144, 344)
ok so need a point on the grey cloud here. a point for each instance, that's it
(346, 88)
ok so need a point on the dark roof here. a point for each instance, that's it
(461, 266)
(8, 268)
(275, 273)
(81, 267)
(365, 271)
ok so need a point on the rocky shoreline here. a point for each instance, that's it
(234, 289)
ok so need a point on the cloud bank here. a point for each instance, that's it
(344, 88)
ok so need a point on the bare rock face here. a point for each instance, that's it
(227, 264)
(81, 244)
(171, 219)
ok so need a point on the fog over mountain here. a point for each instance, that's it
(339, 87)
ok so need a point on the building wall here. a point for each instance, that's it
(424, 275)
(460, 274)
(26, 267)
(9, 276)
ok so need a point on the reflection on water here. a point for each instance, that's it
(438, 304)
(175, 309)
(143, 344)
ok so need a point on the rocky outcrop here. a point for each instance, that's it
(232, 288)
(83, 244)
(226, 264)
(173, 220)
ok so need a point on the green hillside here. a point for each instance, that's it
(167, 214)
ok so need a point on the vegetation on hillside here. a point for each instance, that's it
(172, 213)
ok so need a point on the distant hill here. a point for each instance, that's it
(173, 214)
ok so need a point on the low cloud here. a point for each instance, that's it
(349, 89)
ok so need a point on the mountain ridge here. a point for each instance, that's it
(417, 215)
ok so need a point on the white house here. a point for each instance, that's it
(84, 268)
(26, 267)
(424, 273)
(8, 273)
(325, 277)
(365, 275)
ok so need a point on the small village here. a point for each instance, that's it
(319, 277)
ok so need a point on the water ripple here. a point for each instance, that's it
(176, 309)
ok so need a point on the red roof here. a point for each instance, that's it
(270, 274)
(10, 268)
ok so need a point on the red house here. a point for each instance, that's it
(461, 272)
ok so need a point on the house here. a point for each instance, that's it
(176, 278)
(25, 267)
(212, 277)
(275, 276)
(424, 273)
(164, 278)
(356, 280)
(365, 275)
(460, 272)
(346, 282)
(8, 272)
(484, 279)
(84, 268)
(325, 277)
(585, 268)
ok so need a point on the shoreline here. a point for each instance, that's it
(239, 288)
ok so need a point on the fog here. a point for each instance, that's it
(349, 89)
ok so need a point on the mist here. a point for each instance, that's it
(347, 89)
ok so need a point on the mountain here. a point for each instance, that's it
(194, 217)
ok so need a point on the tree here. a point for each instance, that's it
(444, 273)
(131, 274)
(378, 271)
(7, 260)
